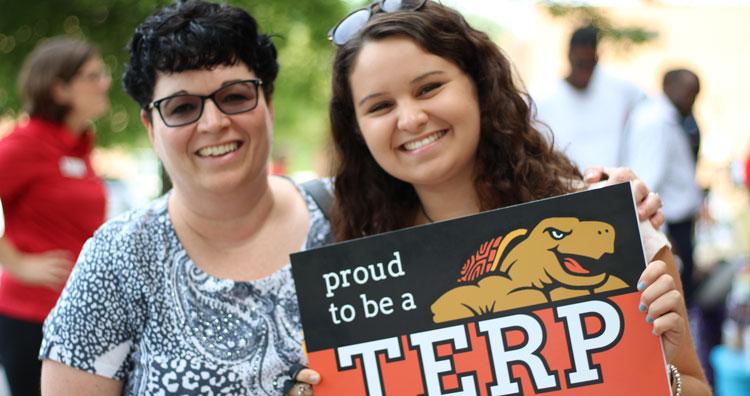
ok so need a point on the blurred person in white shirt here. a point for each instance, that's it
(586, 112)
(659, 151)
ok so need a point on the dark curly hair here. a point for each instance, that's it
(514, 161)
(193, 35)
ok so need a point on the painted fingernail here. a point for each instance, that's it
(642, 307)
(314, 378)
(641, 286)
(653, 332)
(648, 319)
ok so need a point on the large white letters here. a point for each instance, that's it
(581, 347)
(529, 353)
(432, 368)
(368, 352)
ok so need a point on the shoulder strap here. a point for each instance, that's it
(320, 195)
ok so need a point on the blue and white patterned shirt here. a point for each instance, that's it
(138, 309)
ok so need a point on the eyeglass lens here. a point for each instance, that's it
(350, 25)
(235, 98)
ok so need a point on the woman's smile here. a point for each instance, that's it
(219, 150)
(417, 144)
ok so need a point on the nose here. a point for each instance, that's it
(212, 119)
(412, 117)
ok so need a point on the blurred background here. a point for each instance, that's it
(641, 39)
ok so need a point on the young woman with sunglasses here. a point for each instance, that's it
(429, 125)
(193, 294)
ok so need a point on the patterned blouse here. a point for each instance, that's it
(138, 309)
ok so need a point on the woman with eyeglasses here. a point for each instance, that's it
(429, 125)
(193, 294)
(52, 199)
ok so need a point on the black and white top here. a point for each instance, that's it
(137, 309)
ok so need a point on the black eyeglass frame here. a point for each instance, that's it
(371, 11)
(157, 103)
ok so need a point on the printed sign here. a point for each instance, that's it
(538, 298)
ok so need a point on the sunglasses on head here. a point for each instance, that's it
(354, 22)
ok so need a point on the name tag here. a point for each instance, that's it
(72, 167)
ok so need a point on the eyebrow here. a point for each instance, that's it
(223, 84)
(412, 82)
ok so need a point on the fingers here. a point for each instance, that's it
(607, 176)
(653, 270)
(660, 299)
(309, 376)
(658, 219)
(301, 389)
(619, 175)
(594, 174)
(663, 313)
(649, 206)
(640, 190)
(53, 276)
(61, 254)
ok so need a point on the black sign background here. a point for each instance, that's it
(432, 256)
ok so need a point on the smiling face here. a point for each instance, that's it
(418, 113)
(219, 152)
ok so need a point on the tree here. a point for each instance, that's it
(299, 29)
(621, 38)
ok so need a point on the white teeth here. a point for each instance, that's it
(215, 151)
(423, 142)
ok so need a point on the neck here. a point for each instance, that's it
(223, 220)
(446, 202)
(76, 124)
(575, 85)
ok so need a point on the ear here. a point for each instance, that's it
(148, 125)
(60, 92)
(269, 104)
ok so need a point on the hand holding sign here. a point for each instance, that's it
(663, 305)
(536, 298)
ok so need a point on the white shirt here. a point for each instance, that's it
(659, 153)
(587, 125)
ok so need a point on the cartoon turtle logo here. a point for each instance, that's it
(559, 259)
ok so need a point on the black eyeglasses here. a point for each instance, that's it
(182, 109)
(354, 22)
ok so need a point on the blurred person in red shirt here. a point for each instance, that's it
(53, 201)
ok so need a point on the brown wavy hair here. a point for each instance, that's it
(514, 161)
(58, 59)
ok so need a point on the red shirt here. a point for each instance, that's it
(52, 200)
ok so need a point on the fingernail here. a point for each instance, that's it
(314, 378)
(642, 307)
(648, 319)
(641, 286)
(653, 332)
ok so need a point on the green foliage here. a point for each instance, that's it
(622, 38)
(300, 27)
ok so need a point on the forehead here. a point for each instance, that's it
(92, 63)
(200, 81)
(583, 51)
(392, 60)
